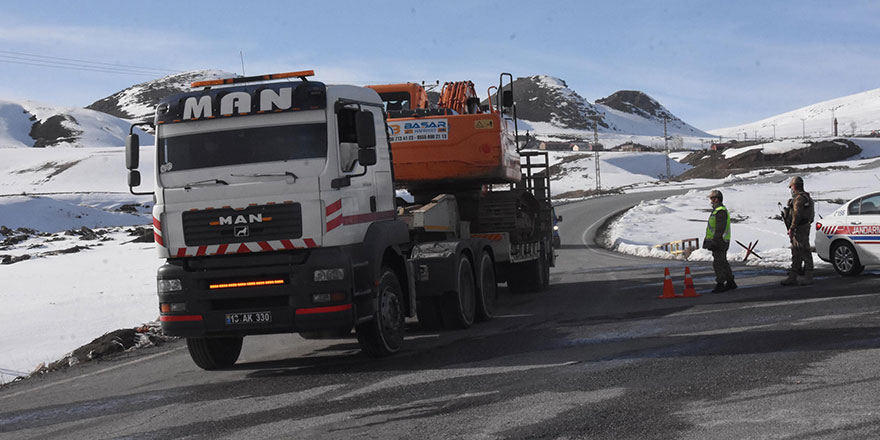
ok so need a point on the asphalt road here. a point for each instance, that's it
(596, 356)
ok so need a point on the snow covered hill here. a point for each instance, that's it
(859, 113)
(139, 101)
(552, 111)
(31, 124)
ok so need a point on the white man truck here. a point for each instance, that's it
(275, 211)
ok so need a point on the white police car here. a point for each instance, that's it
(850, 237)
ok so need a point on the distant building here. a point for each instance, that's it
(586, 146)
(555, 146)
(631, 146)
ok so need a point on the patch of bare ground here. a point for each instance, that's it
(713, 165)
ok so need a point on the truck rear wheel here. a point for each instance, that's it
(488, 288)
(214, 353)
(459, 307)
(383, 335)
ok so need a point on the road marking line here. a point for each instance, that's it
(434, 375)
(774, 304)
(797, 322)
(411, 338)
(94, 373)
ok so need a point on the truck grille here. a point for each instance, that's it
(255, 223)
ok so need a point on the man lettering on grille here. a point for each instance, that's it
(802, 215)
(718, 241)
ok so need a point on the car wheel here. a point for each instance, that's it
(845, 259)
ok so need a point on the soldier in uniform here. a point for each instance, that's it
(801, 217)
(718, 241)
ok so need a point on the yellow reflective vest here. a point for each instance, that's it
(712, 226)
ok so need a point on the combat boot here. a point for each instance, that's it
(808, 279)
(791, 280)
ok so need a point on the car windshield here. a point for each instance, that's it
(242, 146)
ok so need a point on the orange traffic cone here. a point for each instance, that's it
(689, 291)
(668, 289)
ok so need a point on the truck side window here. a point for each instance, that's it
(348, 148)
(345, 120)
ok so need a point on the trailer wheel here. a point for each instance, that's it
(214, 353)
(488, 288)
(529, 276)
(545, 270)
(383, 335)
(459, 307)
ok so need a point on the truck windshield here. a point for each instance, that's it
(242, 146)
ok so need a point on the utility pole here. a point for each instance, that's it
(774, 131)
(803, 128)
(666, 143)
(833, 123)
(596, 145)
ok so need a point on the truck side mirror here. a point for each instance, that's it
(366, 130)
(367, 156)
(507, 98)
(132, 147)
(134, 178)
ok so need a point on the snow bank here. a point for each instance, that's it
(754, 213)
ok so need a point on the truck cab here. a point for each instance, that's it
(275, 213)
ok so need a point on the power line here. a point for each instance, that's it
(41, 58)
(80, 68)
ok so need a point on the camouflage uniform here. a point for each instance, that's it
(802, 214)
(801, 219)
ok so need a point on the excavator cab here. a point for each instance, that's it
(402, 99)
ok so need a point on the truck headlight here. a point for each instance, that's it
(329, 275)
(166, 286)
(555, 227)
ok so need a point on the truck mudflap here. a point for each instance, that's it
(284, 292)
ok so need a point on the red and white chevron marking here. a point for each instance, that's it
(491, 237)
(157, 232)
(333, 208)
(244, 248)
(851, 230)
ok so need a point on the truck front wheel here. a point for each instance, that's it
(383, 335)
(214, 353)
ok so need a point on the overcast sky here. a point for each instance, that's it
(713, 64)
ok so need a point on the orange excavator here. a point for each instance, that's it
(458, 144)
(469, 151)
